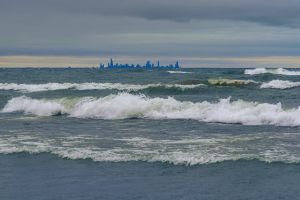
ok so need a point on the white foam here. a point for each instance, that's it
(279, 71)
(280, 84)
(194, 150)
(256, 71)
(179, 72)
(89, 86)
(33, 106)
(35, 87)
(224, 81)
(124, 106)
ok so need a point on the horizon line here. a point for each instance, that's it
(23, 61)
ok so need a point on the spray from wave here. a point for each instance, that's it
(280, 84)
(91, 86)
(126, 106)
(279, 71)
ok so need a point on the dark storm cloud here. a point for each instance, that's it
(273, 12)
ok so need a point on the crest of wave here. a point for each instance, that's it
(125, 106)
(225, 81)
(280, 84)
(90, 86)
(279, 71)
(179, 72)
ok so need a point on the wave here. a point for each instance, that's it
(191, 82)
(35, 106)
(179, 72)
(126, 106)
(183, 85)
(222, 82)
(280, 84)
(181, 151)
(91, 86)
(279, 71)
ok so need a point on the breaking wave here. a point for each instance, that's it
(182, 85)
(179, 72)
(126, 106)
(279, 71)
(180, 151)
(223, 82)
(91, 86)
(280, 84)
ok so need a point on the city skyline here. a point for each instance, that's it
(148, 65)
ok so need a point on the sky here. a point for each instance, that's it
(198, 33)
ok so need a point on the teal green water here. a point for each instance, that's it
(188, 134)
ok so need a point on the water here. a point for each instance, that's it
(188, 134)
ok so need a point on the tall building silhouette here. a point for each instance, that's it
(148, 65)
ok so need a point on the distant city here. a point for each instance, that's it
(148, 65)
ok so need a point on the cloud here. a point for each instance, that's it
(272, 12)
(149, 28)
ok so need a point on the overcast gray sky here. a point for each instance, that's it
(198, 32)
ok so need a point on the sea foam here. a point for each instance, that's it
(193, 150)
(224, 81)
(126, 106)
(179, 72)
(91, 86)
(34, 106)
(279, 71)
(280, 84)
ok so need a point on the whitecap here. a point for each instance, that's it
(91, 86)
(179, 72)
(279, 71)
(280, 84)
(33, 106)
(224, 81)
(125, 106)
